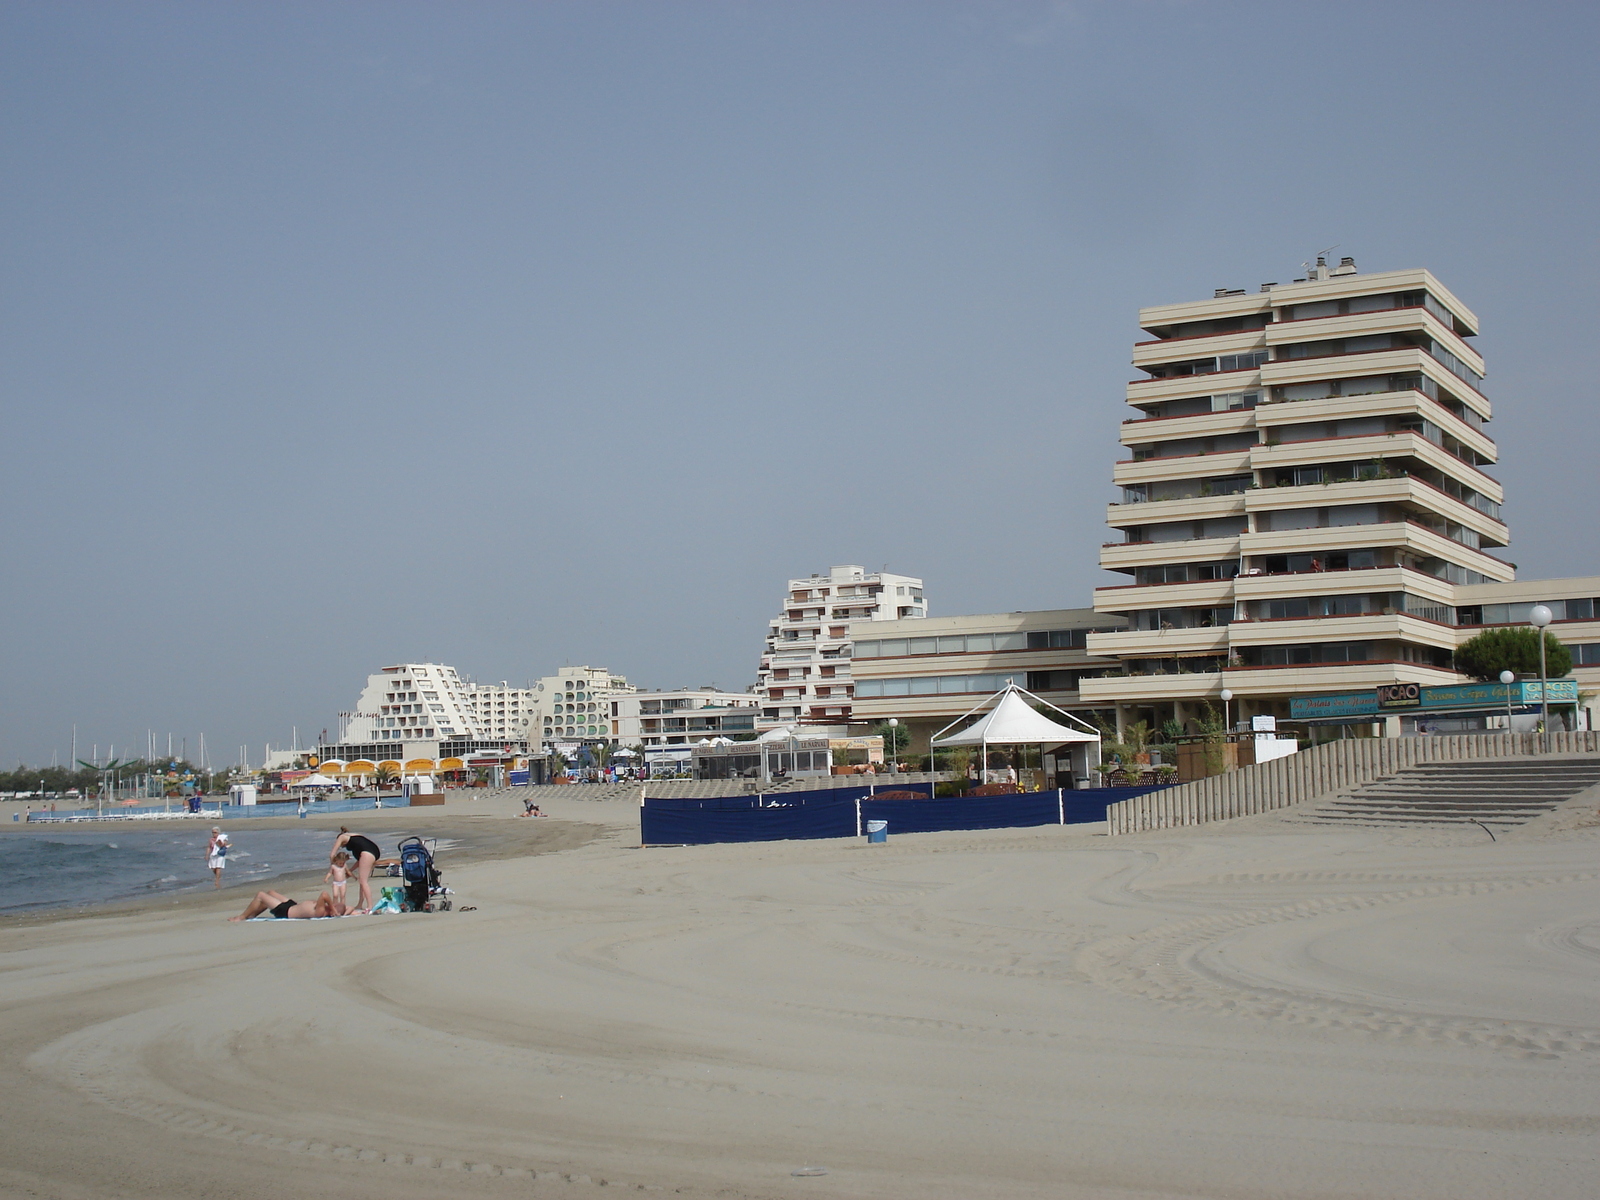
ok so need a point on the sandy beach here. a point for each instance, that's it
(1254, 1009)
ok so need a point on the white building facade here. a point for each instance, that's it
(683, 717)
(412, 702)
(573, 706)
(503, 711)
(804, 677)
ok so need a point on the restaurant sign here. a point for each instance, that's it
(1400, 695)
(1453, 698)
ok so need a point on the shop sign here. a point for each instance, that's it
(1399, 695)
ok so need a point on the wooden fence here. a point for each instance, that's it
(1331, 767)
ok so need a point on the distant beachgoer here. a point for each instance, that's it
(364, 851)
(217, 854)
(285, 909)
(530, 809)
(337, 876)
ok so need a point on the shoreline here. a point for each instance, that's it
(475, 838)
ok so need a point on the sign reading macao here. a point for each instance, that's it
(1400, 695)
(1415, 698)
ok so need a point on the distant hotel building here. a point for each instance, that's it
(420, 710)
(1305, 508)
(573, 706)
(804, 677)
(504, 711)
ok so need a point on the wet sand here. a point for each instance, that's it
(1244, 1010)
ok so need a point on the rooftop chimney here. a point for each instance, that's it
(1347, 266)
(1267, 287)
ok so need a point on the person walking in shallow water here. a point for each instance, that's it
(217, 854)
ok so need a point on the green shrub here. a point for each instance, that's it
(1512, 649)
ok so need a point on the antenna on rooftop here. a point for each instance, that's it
(1321, 259)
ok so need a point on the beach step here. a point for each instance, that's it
(1499, 792)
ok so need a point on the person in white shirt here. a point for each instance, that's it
(217, 854)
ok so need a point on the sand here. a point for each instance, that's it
(1252, 1009)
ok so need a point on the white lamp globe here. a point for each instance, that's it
(1508, 677)
(1226, 695)
(1540, 616)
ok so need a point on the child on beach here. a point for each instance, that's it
(337, 876)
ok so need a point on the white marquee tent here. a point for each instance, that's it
(1013, 721)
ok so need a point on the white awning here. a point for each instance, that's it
(1013, 721)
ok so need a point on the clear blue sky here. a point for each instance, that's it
(516, 335)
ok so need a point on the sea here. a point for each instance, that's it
(70, 868)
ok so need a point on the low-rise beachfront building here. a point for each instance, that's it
(1574, 606)
(1464, 706)
(928, 672)
(682, 717)
(804, 677)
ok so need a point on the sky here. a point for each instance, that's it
(517, 335)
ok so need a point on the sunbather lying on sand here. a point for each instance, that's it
(282, 907)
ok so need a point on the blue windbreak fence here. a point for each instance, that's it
(843, 812)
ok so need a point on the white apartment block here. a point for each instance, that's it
(1306, 491)
(573, 706)
(503, 711)
(804, 677)
(681, 718)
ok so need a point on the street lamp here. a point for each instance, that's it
(1508, 678)
(894, 743)
(1227, 723)
(1539, 617)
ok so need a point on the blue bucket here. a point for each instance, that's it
(877, 831)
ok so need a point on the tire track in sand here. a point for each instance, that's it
(1161, 965)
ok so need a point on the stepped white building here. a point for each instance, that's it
(425, 711)
(804, 676)
(412, 702)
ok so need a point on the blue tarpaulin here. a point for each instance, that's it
(842, 812)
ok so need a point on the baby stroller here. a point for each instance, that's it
(421, 877)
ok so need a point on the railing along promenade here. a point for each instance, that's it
(1329, 768)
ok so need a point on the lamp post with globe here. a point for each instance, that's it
(1227, 726)
(1540, 617)
(1508, 678)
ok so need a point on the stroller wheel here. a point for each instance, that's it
(444, 906)
(427, 908)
